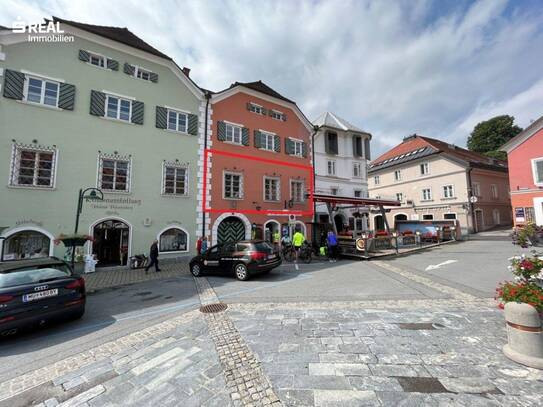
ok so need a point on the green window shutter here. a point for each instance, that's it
(248, 106)
(161, 117)
(265, 111)
(112, 64)
(221, 131)
(66, 96)
(84, 55)
(153, 77)
(284, 117)
(289, 146)
(304, 149)
(129, 69)
(98, 103)
(245, 136)
(14, 84)
(367, 149)
(137, 112)
(193, 124)
(277, 144)
(258, 140)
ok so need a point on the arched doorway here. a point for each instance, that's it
(111, 242)
(399, 216)
(27, 243)
(338, 220)
(231, 229)
(378, 223)
(271, 227)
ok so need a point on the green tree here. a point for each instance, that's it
(488, 136)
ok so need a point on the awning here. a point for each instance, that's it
(335, 199)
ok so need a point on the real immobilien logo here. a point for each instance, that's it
(48, 31)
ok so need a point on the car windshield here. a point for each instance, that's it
(33, 275)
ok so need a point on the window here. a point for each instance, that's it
(376, 180)
(357, 170)
(537, 164)
(26, 244)
(233, 133)
(476, 189)
(173, 240)
(427, 194)
(424, 169)
(272, 190)
(297, 189)
(42, 91)
(97, 60)
(333, 191)
(449, 216)
(397, 175)
(232, 186)
(399, 197)
(114, 175)
(277, 115)
(357, 193)
(357, 146)
(33, 167)
(256, 108)
(267, 141)
(118, 108)
(331, 167)
(177, 121)
(428, 216)
(530, 214)
(142, 74)
(175, 180)
(331, 144)
(494, 191)
(298, 147)
(448, 191)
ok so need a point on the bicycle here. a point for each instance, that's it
(288, 253)
(306, 253)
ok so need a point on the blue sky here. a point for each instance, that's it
(391, 67)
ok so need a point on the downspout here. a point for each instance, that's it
(208, 96)
(470, 194)
(315, 131)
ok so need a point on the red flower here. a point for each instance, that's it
(527, 264)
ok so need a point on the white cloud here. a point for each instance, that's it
(393, 68)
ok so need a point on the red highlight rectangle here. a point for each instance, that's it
(308, 168)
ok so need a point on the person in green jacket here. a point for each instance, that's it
(298, 240)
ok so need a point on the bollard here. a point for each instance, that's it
(524, 335)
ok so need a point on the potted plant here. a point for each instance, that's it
(74, 242)
(522, 300)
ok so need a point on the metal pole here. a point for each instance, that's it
(208, 96)
(78, 212)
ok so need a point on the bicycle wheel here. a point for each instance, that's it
(307, 256)
(289, 256)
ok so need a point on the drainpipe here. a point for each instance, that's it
(208, 97)
(472, 212)
(315, 131)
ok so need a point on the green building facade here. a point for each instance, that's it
(105, 111)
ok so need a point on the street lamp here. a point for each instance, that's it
(395, 236)
(418, 237)
(438, 230)
(93, 194)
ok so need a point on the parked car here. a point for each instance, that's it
(244, 258)
(35, 291)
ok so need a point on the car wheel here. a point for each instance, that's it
(196, 270)
(241, 272)
(78, 314)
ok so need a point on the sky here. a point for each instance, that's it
(392, 68)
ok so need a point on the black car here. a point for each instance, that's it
(243, 258)
(35, 291)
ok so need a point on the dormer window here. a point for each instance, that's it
(253, 107)
(143, 74)
(97, 60)
(277, 115)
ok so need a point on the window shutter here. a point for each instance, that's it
(539, 171)
(137, 112)
(98, 103)
(289, 146)
(327, 143)
(193, 124)
(161, 117)
(129, 69)
(84, 55)
(277, 143)
(304, 149)
(154, 77)
(258, 140)
(284, 117)
(112, 64)
(367, 149)
(221, 131)
(248, 106)
(265, 111)
(245, 136)
(66, 96)
(14, 84)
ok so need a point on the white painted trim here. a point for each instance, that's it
(108, 92)
(42, 76)
(174, 227)
(187, 179)
(14, 150)
(130, 230)
(534, 171)
(233, 124)
(278, 179)
(42, 103)
(443, 191)
(177, 113)
(102, 156)
(177, 109)
(10, 232)
(217, 222)
(538, 211)
(241, 189)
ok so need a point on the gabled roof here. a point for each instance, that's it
(3, 28)
(415, 147)
(523, 136)
(329, 119)
(119, 34)
(261, 87)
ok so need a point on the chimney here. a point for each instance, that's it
(186, 71)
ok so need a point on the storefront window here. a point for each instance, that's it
(27, 244)
(173, 240)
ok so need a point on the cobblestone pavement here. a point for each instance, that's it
(115, 278)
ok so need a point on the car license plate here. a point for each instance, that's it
(271, 257)
(40, 295)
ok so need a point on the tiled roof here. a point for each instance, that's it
(329, 119)
(119, 34)
(415, 146)
(261, 87)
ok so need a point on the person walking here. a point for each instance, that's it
(331, 242)
(297, 240)
(203, 245)
(153, 255)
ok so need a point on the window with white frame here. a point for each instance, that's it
(424, 168)
(177, 121)
(428, 216)
(376, 180)
(357, 170)
(233, 133)
(448, 191)
(175, 181)
(141, 73)
(399, 197)
(173, 240)
(537, 168)
(298, 148)
(118, 108)
(331, 167)
(256, 108)
(476, 189)
(397, 175)
(33, 167)
(357, 193)
(297, 189)
(41, 91)
(427, 194)
(449, 216)
(267, 141)
(97, 60)
(277, 115)
(272, 191)
(494, 191)
(232, 185)
(114, 174)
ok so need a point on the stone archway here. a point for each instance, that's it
(240, 217)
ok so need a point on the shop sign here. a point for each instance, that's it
(26, 221)
(519, 215)
(115, 204)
